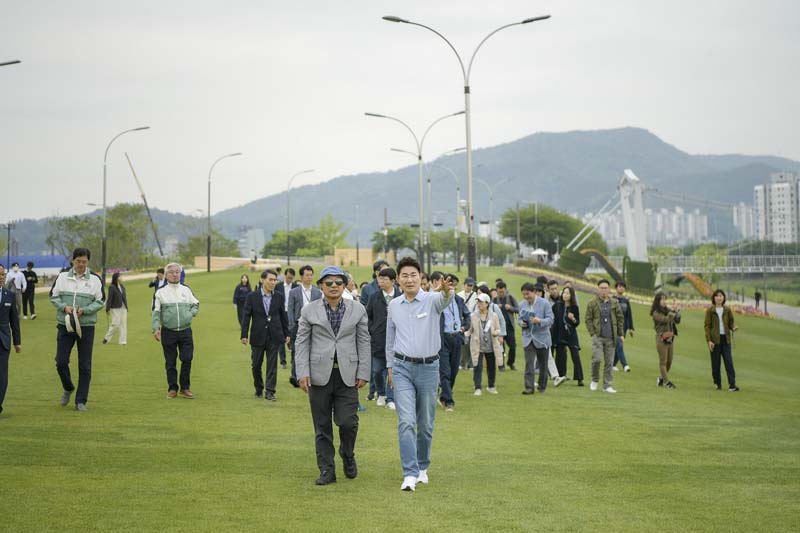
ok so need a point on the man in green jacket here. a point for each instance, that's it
(604, 321)
(77, 295)
(173, 310)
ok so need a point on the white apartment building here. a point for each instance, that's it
(744, 221)
(777, 208)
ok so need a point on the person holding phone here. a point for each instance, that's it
(664, 320)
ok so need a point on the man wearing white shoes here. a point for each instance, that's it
(413, 342)
(604, 321)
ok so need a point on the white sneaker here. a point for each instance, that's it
(423, 477)
(478, 392)
(491, 390)
(391, 406)
(593, 385)
(627, 368)
(615, 369)
(409, 484)
(24, 317)
(610, 390)
(558, 381)
(381, 401)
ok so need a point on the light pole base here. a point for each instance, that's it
(472, 257)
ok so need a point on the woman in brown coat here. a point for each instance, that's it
(719, 329)
(485, 343)
(664, 320)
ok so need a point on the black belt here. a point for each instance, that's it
(452, 333)
(417, 360)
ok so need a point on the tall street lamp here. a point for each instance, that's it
(430, 212)
(104, 252)
(491, 211)
(208, 234)
(418, 154)
(471, 245)
(458, 207)
(288, 215)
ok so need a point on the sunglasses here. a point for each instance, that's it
(332, 282)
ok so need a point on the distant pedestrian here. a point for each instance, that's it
(470, 297)
(175, 308)
(664, 320)
(240, 293)
(372, 287)
(456, 321)
(17, 283)
(159, 281)
(9, 333)
(377, 309)
(719, 328)
(566, 315)
(485, 344)
(604, 320)
(117, 308)
(627, 325)
(424, 282)
(535, 319)
(77, 296)
(757, 296)
(299, 297)
(31, 280)
(285, 288)
(509, 307)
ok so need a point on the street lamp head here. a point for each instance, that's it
(142, 128)
(234, 155)
(375, 115)
(462, 112)
(535, 19)
(392, 18)
(6, 63)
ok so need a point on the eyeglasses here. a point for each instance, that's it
(332, 282)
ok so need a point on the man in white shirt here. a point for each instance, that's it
(17, 284)
(298, 298)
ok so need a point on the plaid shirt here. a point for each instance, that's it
(335, 317)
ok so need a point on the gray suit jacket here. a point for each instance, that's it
(296, 303)
(316, 344)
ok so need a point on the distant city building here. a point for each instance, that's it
(664, 227)
(744, 221)
(250, 239)
(777, 208)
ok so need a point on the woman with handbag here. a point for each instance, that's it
(565, 334)
(719, 328)
(485, 344)
(664, 320)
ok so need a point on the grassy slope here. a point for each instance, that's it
(691, 459)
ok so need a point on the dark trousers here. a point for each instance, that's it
(561, 361)
(239, 312)
(282, 351)
(64, 343)
(491, 369)
(619, 354)
(3, 375)
(257, 354)
(449, 359)
(27, 301)
(722, 351)
(173, 342)
(342, 401)
(532, 356)
(294, 337)
(379, 374)
(511, 342)
(466, 357)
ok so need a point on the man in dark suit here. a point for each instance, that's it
(270, 327)
(9, 328)
(333, 362)
(376, 313)
(454, 321)
(285, 287)
(304, 293)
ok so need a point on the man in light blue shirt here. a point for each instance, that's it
(413, 341)
(535, 317)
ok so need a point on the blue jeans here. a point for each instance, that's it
(379, 378)
(619, 354)
(415, 389)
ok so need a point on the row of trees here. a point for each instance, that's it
(315, 241)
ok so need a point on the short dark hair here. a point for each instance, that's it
(277, 269)
(498, 280)
(290, 270)
(160, 270)
(621, 284)
(527, 286)
(81, 252)
(30, 264)
(304, 268)
(552, 282)
(14, 264)
(484, 289)
(388, 273)
(423, 275)
(501, 285)
(603, 281)
(541, 280)
(409, 262)
(437, 275)
(267, 272)
(379, 265)
(719, 291)
(453, 278)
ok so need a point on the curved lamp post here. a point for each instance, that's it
(471, 245)
(104, 252)
(208, 235)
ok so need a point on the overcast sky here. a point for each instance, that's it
(287, 83)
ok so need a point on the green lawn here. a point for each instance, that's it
(644, 459)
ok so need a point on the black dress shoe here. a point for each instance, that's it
(294, 383)
(350, 467)
(257, 394)
(326, 477)
(527, 391)
(512, 367)
(270, 397)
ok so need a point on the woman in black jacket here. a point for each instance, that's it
(565, 334)
(240, 296)
(117, 309)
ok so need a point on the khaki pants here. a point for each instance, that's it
(119, 321)
(603, 349)
(664, 356)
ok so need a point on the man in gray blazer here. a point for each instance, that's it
(298, 297)
(333, 362)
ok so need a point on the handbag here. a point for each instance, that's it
(667, 337)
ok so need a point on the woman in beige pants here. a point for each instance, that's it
(664, 320)
(117, 308)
